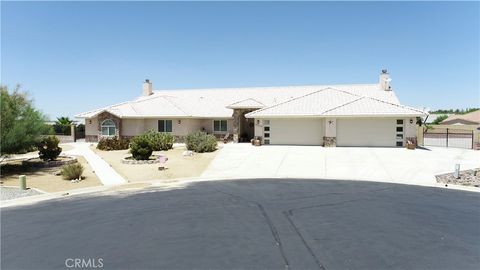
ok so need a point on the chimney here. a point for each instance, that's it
(147, 88)
(385, 80)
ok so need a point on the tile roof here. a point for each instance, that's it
(334, 102)
(208, 103)
(248, 103)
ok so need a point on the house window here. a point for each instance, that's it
(164, 125)
(399, 143)
(267, 135)
(108, 128)
(220, 125)
(399, 121)
(399, 129)
(266, 142)
(266, 122)
(266, 128)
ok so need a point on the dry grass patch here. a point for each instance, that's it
(178, 166)
(44, 178)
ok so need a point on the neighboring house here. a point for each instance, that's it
(341, 115)
(430, 118)
(472, 118)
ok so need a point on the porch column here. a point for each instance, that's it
(237, 114)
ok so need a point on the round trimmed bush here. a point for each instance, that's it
(48, 148)
(141, 148)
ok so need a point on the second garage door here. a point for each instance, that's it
(366, 132)
(297, 131)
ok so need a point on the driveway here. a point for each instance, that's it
(250, 224)
(395, 165)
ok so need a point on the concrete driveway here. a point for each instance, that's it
(395, 165)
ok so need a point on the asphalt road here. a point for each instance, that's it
(262, 224)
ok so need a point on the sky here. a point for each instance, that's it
(77, 56)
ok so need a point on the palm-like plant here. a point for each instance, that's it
(63, 121)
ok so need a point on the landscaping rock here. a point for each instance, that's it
(187, 153)
(467, 178)
(9, 193)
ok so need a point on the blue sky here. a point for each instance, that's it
(76, 56)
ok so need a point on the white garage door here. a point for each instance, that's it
(366, 132)
(297, 131)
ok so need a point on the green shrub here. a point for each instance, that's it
(201, 142)
(72, 171)
(48, 148)
(141, 148)
(439, 119)
(114, 143)
(160, 141)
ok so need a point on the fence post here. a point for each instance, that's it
(447, 137)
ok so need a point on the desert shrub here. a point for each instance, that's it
(201, 142)
(141, 148)
(160, 141)
(48, 148)
(72, 171)
(114, 143)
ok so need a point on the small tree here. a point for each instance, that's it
(21, 124)
(63, 123)
(439, 119)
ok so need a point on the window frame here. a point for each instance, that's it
(221, 128)
(108, 126)
(165, 125)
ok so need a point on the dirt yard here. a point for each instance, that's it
(178, 166)
(45, 180)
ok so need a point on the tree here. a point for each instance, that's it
(21, 124)
(439, 119)
(62, 125)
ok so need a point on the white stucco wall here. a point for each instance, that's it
(410, 128)
(132, 127)
(297, 131)
(366, 131)
(330, 127)
(180, 126)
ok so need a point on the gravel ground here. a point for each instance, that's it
(467, 178)
(8, 193)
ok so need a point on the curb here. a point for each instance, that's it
(183, 182)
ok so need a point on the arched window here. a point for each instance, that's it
(108, 128)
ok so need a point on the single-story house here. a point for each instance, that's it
(472, 118)
(330, 115)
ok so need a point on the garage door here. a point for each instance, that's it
(366, 132)
(297, 131)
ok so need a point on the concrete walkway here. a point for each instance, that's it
(394, 165)
(106, 174)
